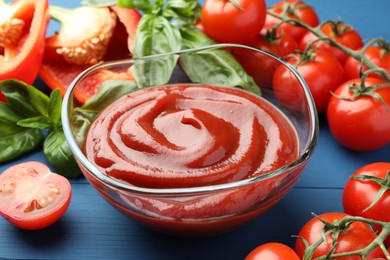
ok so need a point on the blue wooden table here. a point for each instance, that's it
(91, 229)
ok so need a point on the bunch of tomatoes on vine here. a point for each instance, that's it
(349, 80)
(342, 72)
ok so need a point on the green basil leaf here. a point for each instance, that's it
(58, 153)
(55, 104)
(192, 37)
(99, 3)
(38, 122)
(80, 124)
(217, 67)
(8, 113)
(155, 35)
(108, 92)
(8, 128)
(35, 97)
(184, 11)
(19, 96)
(213, 66)
(143, 5)
(17, 144)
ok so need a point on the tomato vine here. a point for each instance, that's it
(338, 227)
(357, 54)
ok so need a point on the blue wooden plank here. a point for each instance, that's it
(91, 229)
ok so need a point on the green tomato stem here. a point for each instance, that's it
(344, 224)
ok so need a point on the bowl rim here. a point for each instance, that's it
(112, 182)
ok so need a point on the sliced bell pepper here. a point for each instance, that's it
(23, 26)
(88, 35)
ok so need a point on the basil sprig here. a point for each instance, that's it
(30, 119)
(167, 26)
(156, 33)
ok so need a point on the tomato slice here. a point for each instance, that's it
(32, 197)
(21, 56)
(57, 72)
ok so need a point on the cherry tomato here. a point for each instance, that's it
(262, 68)
(322, 72)
(376, 54)
(361, 123)
(298, 10)
(341, 33)
(360, 196)
(226, 23)
(32, 197)
(22, 39)
(272, 251)
(274, 41)
(357, 236)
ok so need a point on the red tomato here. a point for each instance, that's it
(22, 40)
(57, 72)
(32, 197)
(272, 251)
(341, 33)
(261, 67)
(359, 194)
(361, 123)
(276, 42)
(377, 55)
(322, 72)
(357, 236)
(295, 10)
(224, 22)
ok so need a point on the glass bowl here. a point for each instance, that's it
(182, 206)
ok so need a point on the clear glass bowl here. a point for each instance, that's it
(211, 209)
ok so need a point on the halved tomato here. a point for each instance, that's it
(32, 197)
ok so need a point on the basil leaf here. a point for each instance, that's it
(19, 143)
(192, 37)
(184, 11)
(8, 113)
(58, 153)
(19, 97)
(108, 92)
(38, 122)
(80, 124)
(98, 3)
(8, 128)
(155, 35)
(213, 66)
(55, 104)
(143, 5)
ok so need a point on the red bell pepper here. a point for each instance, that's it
(23, 25)
(76, 46)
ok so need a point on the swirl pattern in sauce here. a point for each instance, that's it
(190, 135)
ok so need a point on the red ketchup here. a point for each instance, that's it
(190, 135)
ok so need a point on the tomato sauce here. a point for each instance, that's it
(190, 135)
